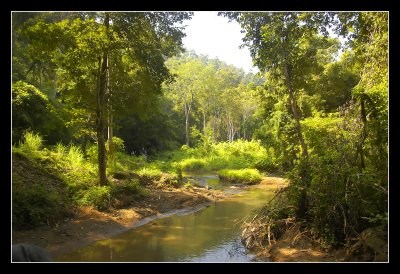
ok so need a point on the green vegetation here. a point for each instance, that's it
(193, 164)
(67, 168)
(33, 143)
(82, 79)
(246, 175)
(31, 108)
(150, 173)
(36, 205)
(325, 118)
(78, 173)
(234, 155)
(96, 196)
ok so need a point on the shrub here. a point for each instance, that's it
(233, 155)
(193, 164)
(91, 153)
(170, 179)
(124, 162)
(247, 175)
(75, 155)
(96, 196)
(150, 173)
(60, 151)
(32, 143)
(118, 144)
(129, 187)
(115, 167)
(31, 109)
(35, 205)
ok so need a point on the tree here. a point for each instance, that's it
(32, 110)
(100, 108)
(84, 48)
(212, 96)
(368, 39)
(158, 130)
(185, 88)
(341, 186)
(285, 45)
(249, 105)
(335, 84)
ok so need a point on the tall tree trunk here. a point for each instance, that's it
(230, 129)
(187, 130)
(186, 120)
(363, 134)
(244, 126)
(295, 110)
(213, 125)
(101, 148)
(110, 121)
(302, 206)
(188, 107)
(227, 128)
(110, 135)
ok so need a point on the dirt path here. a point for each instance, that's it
(88, 225)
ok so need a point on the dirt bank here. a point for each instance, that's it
(298, 245)
(88, 225)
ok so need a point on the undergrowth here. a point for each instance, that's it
(78, 173)
(37, 204)
(246, 175)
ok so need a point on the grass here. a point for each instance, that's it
(224, 155)
(96, 196)
(78, 174)
(122, 162)
(130, 187)
(247, 175)
(193, 164)
(35, 204)
(150, 173)
(32, 142)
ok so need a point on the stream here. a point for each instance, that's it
(207, 233)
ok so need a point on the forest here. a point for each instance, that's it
(111, 113)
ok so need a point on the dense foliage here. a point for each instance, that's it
(317, 111)
(326, 118)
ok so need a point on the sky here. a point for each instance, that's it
(208, 33)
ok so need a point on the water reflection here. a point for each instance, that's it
(206, 235)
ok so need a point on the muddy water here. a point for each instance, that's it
(209, 234)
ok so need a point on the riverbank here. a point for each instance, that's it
(296, 246)
(297, 243)
(87, 225)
